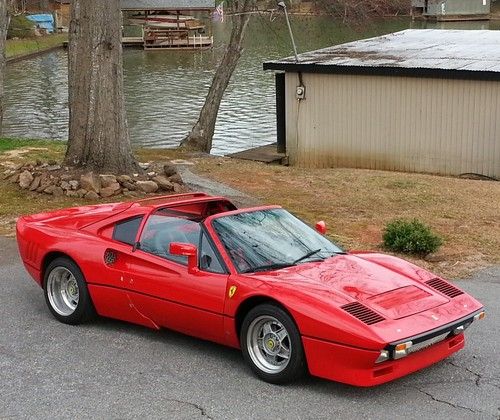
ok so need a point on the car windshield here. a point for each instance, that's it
(270, 239)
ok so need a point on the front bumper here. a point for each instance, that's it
(358, 367)
(355, 366)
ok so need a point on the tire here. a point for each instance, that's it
(271, 344)
(66, 292)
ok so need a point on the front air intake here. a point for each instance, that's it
(444, 287)
(363, 313)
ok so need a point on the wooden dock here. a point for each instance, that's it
(266, 154)
(185, 43)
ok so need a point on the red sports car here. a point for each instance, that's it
(258, 279)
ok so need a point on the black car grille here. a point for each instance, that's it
(444, 287)
(363, 313)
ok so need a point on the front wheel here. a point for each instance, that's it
(66, 292)
(271, 344)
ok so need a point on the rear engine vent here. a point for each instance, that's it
(444, 287)
(363, 313)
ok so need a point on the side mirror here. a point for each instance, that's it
(321, 227)
(186, 250)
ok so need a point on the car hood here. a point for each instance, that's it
(388, 291)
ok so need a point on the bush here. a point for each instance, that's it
(410, 237)
(20, 27)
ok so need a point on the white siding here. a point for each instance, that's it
(394, 123)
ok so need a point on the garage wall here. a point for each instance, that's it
(394, 123)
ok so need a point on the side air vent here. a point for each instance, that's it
(363, 313)
(444, 287)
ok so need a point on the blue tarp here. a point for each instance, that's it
(43, 20)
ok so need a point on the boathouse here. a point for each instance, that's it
(451, 10)
(168, 24)
(415, 101)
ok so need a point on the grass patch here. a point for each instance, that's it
(19, 47)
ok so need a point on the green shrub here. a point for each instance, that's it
(410, 237)
(20, 27)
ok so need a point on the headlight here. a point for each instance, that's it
(384, 355)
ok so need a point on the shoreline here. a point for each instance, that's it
(21, 57)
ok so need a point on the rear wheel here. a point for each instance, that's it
(271, 344)
(66, 292)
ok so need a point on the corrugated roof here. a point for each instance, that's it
(426, 52)
(167, 4)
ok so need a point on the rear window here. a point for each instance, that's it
(126, 231)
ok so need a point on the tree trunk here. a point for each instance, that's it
(4, 24)
(98, 131)
(201, 135)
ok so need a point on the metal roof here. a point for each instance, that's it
(167, 4)
(413, 52)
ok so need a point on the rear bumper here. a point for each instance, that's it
(356, 366)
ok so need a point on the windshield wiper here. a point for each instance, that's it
(305, 257)
(275, 266)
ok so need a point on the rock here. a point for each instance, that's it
(36, 183)
(107, 180)
(52, 162)
(25, 179)
(92, 195)
(74, 184)
(53, 167)
(169, 169)
(180, 188)
(14, 178)
(147, 186)
(81, 192)
(129, 186)
(66, 177)
(176, 179)
(144, 165)
(107, 192)
(65, 185)
(123, 178)
(90, 182)
(111, 190)
(58, 192)
(18, 167)
(71, 193)
(50, 189)
(38, 162)
(164, 183)
(151, 174)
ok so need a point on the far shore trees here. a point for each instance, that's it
(98, 130)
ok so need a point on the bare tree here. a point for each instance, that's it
(4, 25)
(98, 131)
(201, 135)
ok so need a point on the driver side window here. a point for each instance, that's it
(161, 230)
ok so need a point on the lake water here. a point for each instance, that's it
(166, 89)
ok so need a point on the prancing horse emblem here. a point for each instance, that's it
(232, 291)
